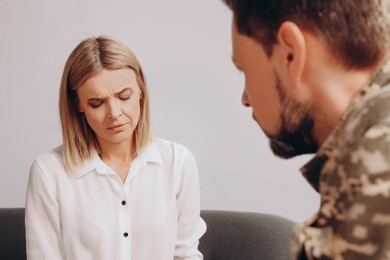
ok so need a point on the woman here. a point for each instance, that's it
(111, 191)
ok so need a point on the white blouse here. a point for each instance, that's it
(93, 215)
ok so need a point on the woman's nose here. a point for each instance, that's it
(114, 110)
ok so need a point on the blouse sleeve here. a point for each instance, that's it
(43, 230)
(190, 226)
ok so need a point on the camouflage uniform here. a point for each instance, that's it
(351, 171)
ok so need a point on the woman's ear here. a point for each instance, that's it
(293, 51)
(79, 107)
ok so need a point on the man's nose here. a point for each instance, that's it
(245, 100)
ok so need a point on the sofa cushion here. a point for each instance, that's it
(245, 236)
(12, 234)
(230, 235)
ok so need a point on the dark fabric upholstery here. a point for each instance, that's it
(230, 236)
(12, 234)
(245, 236)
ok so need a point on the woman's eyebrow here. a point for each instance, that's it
(124, 90)
(116, 94)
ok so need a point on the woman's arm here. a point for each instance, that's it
(43, 229)
(191, 226)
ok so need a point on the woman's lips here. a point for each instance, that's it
(118, 127)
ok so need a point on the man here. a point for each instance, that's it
(317, 77)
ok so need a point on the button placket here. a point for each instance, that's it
(125, 214)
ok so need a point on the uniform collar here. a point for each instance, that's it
(312, 170)
(148, 154)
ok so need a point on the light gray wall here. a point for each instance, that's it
(185, 50)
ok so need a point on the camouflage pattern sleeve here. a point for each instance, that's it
(353, 222)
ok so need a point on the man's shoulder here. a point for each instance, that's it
(372, 110)
(370, 152)
(365, 158)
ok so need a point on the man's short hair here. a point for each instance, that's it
(356, 31)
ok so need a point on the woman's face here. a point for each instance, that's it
(110, 101)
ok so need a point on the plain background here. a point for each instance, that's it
(185, 50)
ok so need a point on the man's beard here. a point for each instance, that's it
(295, 136)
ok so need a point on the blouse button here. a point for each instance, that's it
(123, 202)
(125, 234)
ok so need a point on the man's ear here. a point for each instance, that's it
(293, 50)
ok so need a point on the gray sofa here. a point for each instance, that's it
(230, 236)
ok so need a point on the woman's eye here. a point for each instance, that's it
(127, 97)
(95, 104)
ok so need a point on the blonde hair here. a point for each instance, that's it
(88, 58)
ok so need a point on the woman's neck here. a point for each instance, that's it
(118, 156)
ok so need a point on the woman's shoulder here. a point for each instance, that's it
(54, 156)
(55, 152)
(172, 151)
(167, 146)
